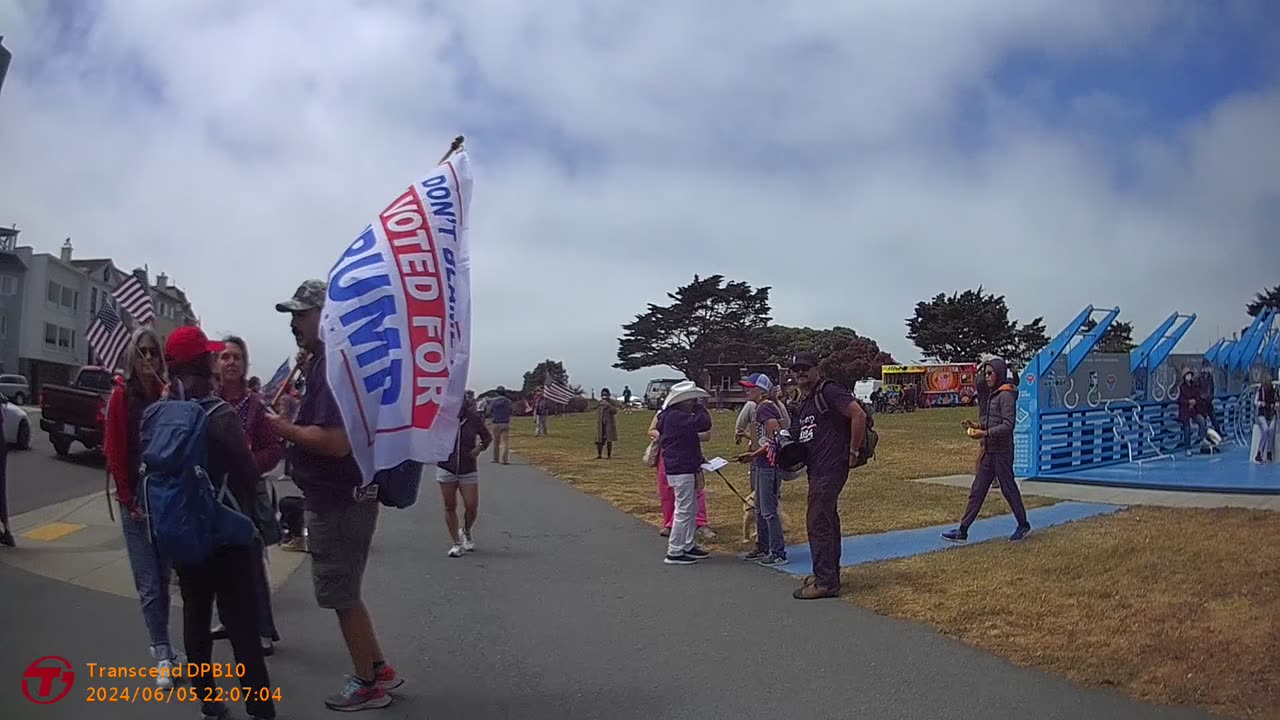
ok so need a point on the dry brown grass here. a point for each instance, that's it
(878, 497)
(1169, 605)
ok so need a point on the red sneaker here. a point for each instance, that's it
(387, 677)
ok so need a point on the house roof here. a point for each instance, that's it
(9, 261)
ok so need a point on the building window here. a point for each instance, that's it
(64, 338)
(68, 298)
(50, 334)
(93, 300)
(8, 285)
(75, 301)
(55, 292)
(4, 326)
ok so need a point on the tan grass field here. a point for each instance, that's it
(1169, 605)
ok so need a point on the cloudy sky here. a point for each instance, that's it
(856, 156)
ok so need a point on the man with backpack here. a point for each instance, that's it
(341, 512)
(194, 453)
(833, 427)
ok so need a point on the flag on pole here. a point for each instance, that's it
(108, 337)
(134, 298)
(397, 324)
(557, 393)
(277, 379)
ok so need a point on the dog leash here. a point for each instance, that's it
(731, 487)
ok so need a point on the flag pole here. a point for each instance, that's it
(453, 148)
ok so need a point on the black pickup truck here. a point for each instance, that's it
(76, 412)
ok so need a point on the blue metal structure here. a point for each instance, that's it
(1108, 434)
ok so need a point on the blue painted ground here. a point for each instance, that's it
(1230, 471)
(859, 549)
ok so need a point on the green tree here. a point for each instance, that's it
(962, 326)
(859, 359)
(538, 376)
(707, 321)
(1268, 298)
(1028, 340)
(1117, 339)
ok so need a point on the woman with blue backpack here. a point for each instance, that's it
(144, 379)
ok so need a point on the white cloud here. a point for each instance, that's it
(239, 146)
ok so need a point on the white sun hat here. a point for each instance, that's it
(681, 391)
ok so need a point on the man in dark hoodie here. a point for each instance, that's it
(997, 410)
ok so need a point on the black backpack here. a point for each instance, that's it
(869, 440)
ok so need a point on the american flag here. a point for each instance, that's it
(557, 393)
(273, 385)
(108, 336)
(134, 298)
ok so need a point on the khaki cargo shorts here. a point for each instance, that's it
(339, 544)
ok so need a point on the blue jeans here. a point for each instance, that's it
(767, 484)
(151, 575)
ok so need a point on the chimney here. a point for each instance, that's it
(162, 281)
(66, 251)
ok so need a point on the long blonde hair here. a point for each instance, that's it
(131, 356)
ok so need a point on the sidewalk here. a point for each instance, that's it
(566, 611)
(1126, 496)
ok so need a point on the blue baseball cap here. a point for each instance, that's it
(758, 380)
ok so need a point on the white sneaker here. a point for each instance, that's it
(467, 543)
(455, 551)
(164, 674)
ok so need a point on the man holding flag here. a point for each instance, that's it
(341, 511)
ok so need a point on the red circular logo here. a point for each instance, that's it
(42, 678)
(1031, 377)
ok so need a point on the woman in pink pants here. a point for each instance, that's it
(668, 496)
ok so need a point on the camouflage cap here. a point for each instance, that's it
(309, 296)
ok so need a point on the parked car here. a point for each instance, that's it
(76, 412)
(656, 391)
(16, 388)
(17, 428)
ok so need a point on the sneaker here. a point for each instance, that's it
(268, 647)
(6, 539)
(681, 559)
(468, 544)
(215, 710)
(456, 550)
(814, 592)
(664, 532)
(1020, 533)
(358, 696)
(697, 553)
(755, 555)
(294, 544)
(219, 632)
(387, 677)
(956, 536)
(164, 674)
(771, 560)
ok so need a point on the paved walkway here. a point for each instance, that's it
(566, 611)
(861, 549)
(1125, 496)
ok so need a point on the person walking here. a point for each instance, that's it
(540, 409)
(606, 424)
(145, 376)
(679, 427)
(459, 475)
(626, 398)
(227, 574)
(341, 512)
(500, 409)
(997, 409)
(766, 476)
(268, 449)
(831, 426)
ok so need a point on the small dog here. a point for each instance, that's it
(749, 518)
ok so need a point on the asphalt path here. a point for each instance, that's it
(566, 611)
(38, 477)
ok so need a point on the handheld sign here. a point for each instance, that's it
(397, 323)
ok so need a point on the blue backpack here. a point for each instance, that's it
(186, 521)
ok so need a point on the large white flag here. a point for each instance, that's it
(397, 324)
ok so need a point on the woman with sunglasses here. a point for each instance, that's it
(143, 382)
(997, 410)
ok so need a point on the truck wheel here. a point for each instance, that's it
(23, 441)
(61, 445)
(20, 398)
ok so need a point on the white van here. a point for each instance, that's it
(863, 389)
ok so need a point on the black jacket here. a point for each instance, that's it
(461, 461)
